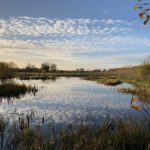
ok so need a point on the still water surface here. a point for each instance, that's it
(69, 100)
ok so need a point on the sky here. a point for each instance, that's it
(90, 34)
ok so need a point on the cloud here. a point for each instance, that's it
(28, 26)
(41, 38)
(69, 35)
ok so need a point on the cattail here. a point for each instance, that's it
(43, 120)
(28, 120)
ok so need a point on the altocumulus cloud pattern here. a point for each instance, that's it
(42, 36)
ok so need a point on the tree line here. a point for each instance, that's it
(8, 70)
(45, 67)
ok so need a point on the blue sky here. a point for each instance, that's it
(72, 33)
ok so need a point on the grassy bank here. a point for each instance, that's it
(126, 75)
(49, 75)
(142, 92)
(141, 88)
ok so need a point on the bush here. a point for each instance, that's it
(6, 70)
(144, 70)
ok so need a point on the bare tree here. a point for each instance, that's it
(45, 67)
(53, 67)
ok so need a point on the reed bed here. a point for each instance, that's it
(112, 82)
(143, 93)
(8, 90)
(111, 135)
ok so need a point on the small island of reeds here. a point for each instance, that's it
(8, 90)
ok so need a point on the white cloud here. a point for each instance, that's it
(41, 38)
(37, 26)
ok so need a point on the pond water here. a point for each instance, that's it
(69, 100)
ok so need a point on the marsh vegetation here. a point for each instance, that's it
(109, 134)
(7, 70)
(112, 134)
(14, 90)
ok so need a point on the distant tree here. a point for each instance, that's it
(144, 10)
(13, 65)
(96, 70)
(81, 69)
(104, 70)
(30, 68)
(45, 67)
(53, 67)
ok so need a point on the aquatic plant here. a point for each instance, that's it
(8, 90)
(114, 135)
(143, 93)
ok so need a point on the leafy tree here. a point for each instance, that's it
(144, 10)
(45, 67)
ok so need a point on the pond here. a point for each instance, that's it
(68, 101)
